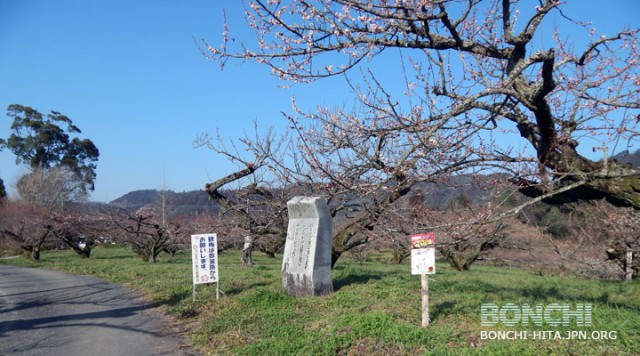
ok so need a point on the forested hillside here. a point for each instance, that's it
(629, 158)
(185, 203)
(436, 195)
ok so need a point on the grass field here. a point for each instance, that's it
(375, 308)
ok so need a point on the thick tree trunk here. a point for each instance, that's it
(461, 262)
(399, 255)
(556, 150)
(623, 256)
(31, 251)
(618, 185)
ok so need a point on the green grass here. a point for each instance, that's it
(374, 310)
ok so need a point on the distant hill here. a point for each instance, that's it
(435, 195)
(473, 189)
(629, 158)
(186, 203)
(137, 199)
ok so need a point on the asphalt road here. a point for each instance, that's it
(45, 312)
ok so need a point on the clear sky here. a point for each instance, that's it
(129, 75)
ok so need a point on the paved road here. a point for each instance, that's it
(52, 313)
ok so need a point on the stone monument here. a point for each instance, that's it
(306, 266)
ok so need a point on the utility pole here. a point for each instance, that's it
(164, 200)
(605, 154)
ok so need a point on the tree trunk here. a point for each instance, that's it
(247, 250)
(460, 260)
(30, 251)
(623, 191)
(343, 241)
(84, 252)
(629, 265)
(35, 254)
(335, 255)
(616, 183)
(399, 255)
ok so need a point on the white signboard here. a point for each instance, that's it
(204, 253)
(423, 253)
(423, 261)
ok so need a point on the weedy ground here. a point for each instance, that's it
(375, 308)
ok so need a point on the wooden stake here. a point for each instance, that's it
(425, 301)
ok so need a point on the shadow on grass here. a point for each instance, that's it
(240, 289)
(354, 279)
(444, 308)
(120, 257)
(543, 293)
(176, 298)
(546, 294)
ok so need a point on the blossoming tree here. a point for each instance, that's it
(478, 93)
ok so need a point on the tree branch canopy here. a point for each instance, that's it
(477, 94)
(212, 188)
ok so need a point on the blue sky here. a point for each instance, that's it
(130, 76)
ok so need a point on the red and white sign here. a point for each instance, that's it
(423, 253)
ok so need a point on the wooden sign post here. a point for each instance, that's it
(425, 300)
(423, 262)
